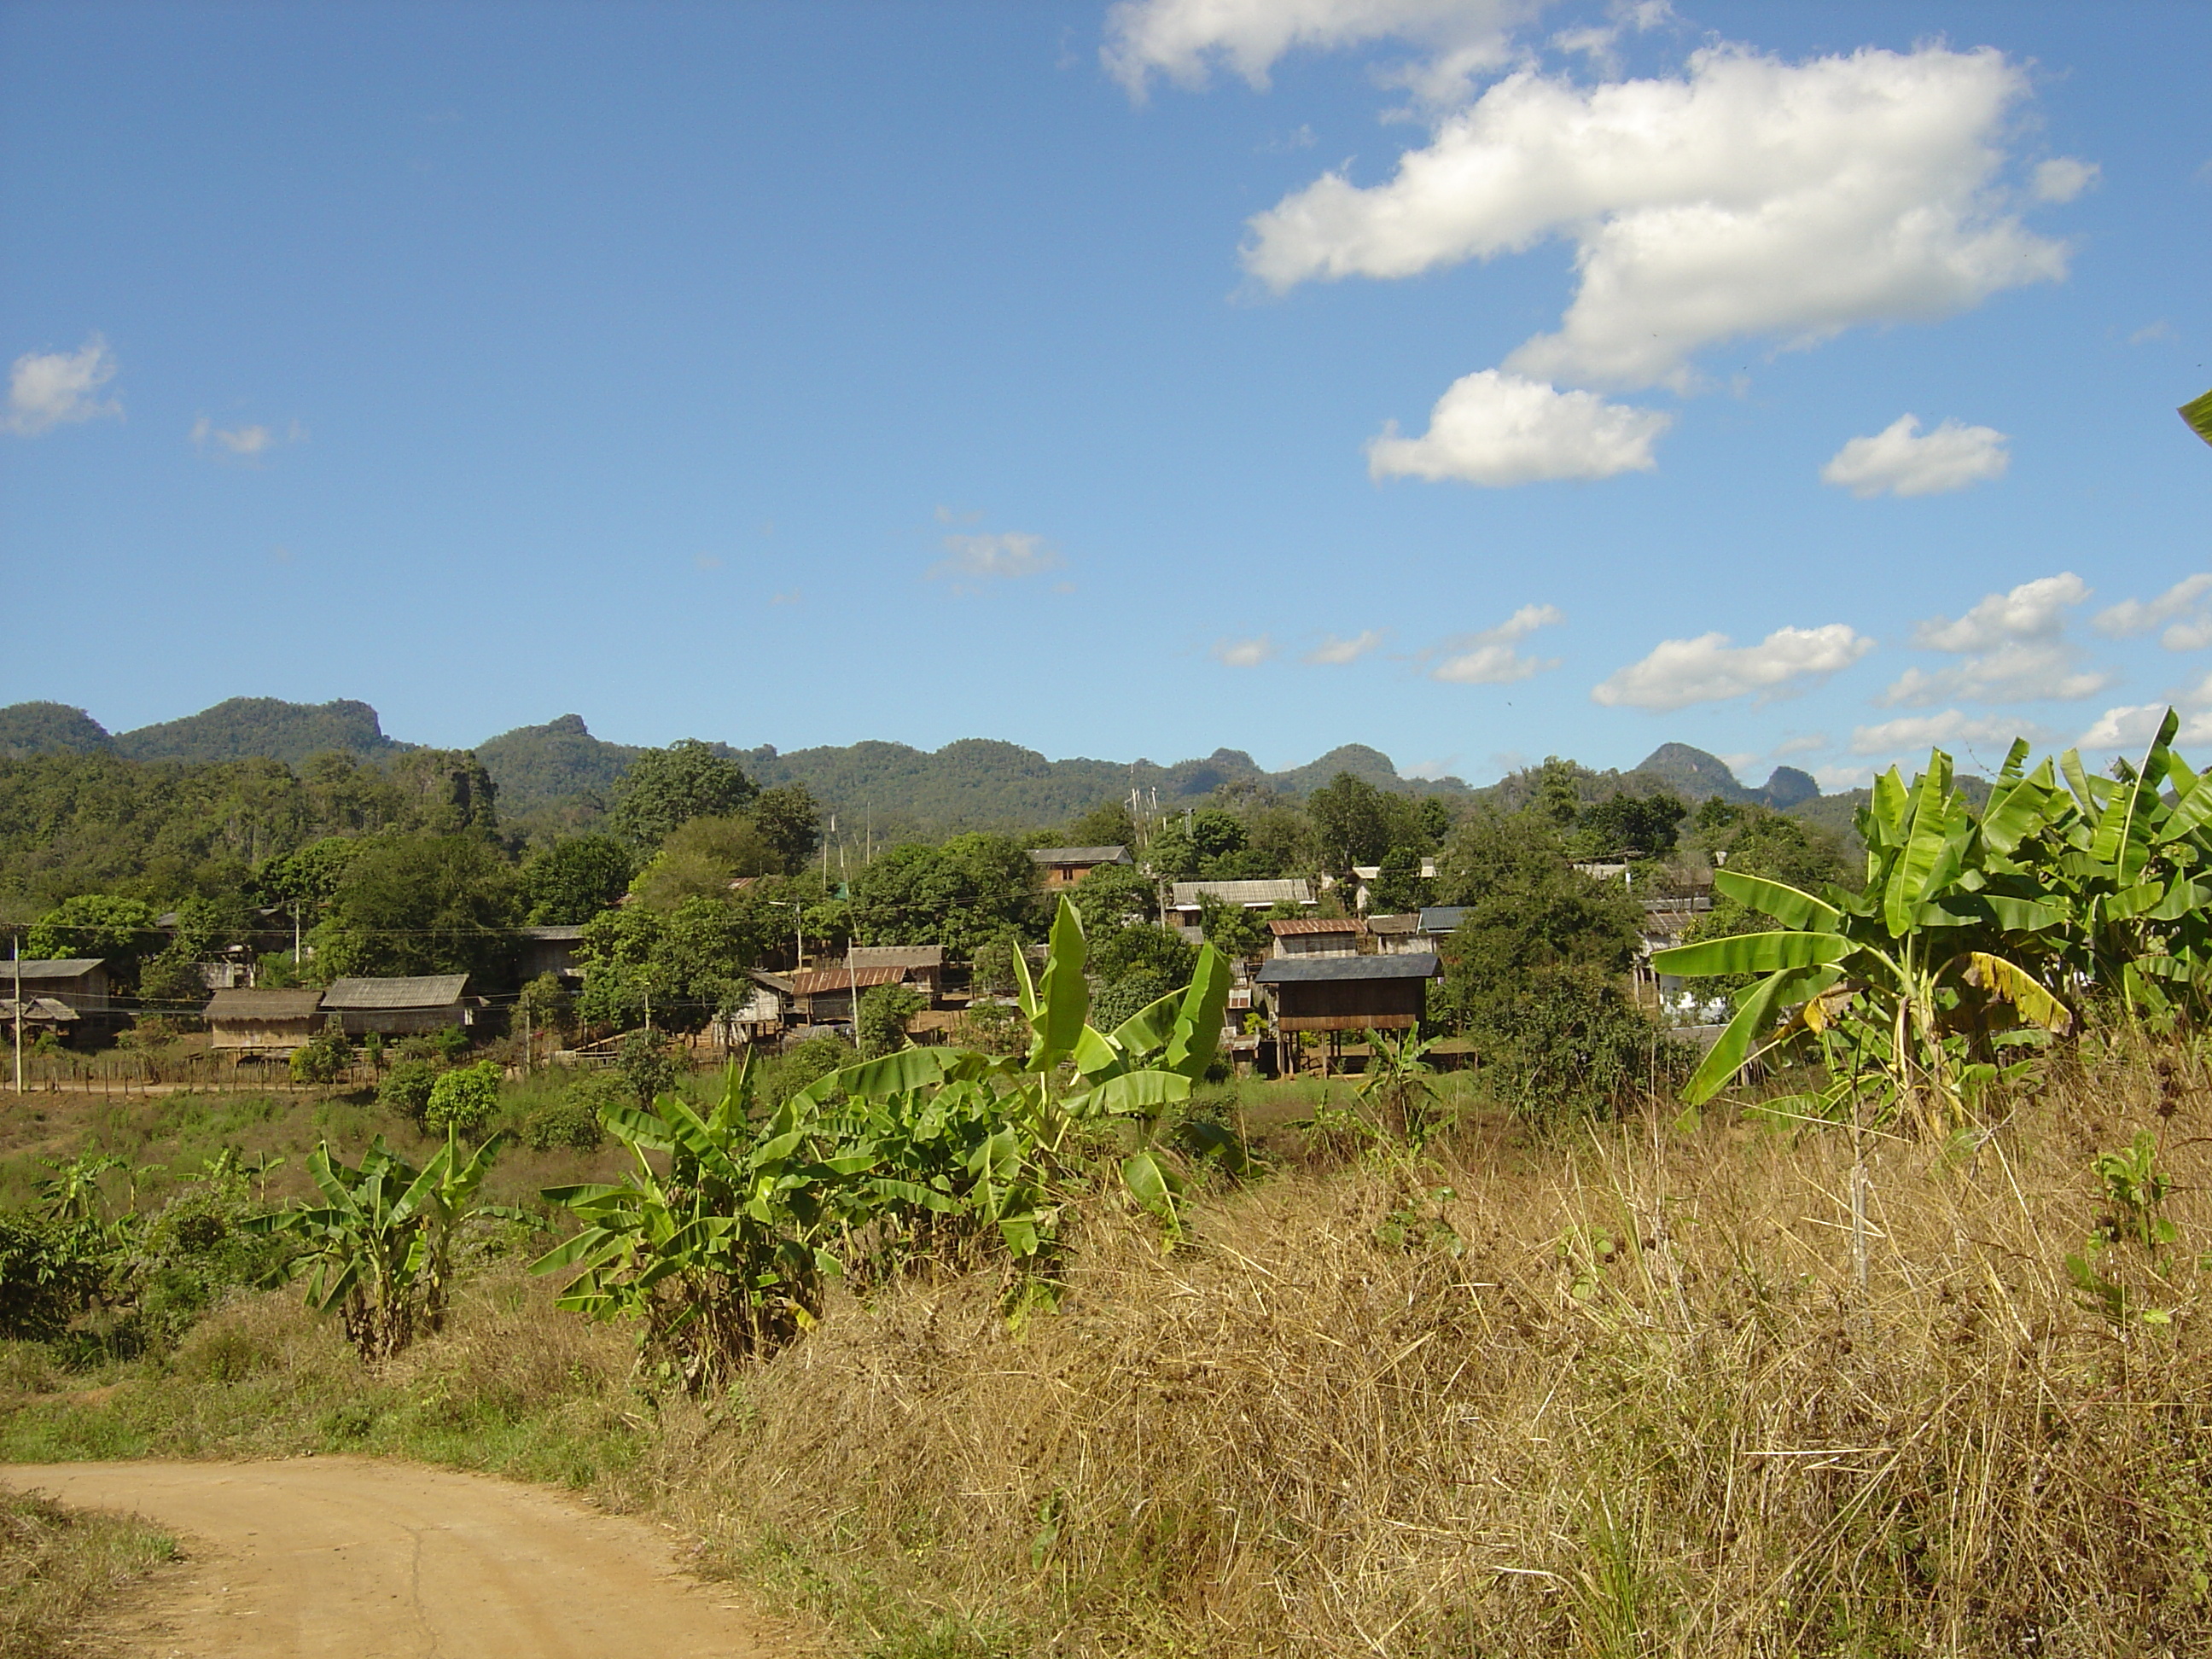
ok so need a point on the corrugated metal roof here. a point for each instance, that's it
(51, 967)
(244, 1004)
(1442, 918)
(897, 956)
(1308, 971)
(1408, 923)
(551, 935)
(1078, 855)
(423, 990)
(816, 980)
(1283, 891)
(1315, 925)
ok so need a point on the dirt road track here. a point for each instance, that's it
(355, 1557)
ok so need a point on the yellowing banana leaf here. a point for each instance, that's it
(2015, 985)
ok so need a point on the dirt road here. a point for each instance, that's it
(354, 1557)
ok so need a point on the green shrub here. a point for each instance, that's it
(884, 1011)
(448, 1046)
(324, 1058)
(406, 1088)
(646, 1066)
(463, 1098)
(568, 1125)
(786, 1075)
(49, 1273)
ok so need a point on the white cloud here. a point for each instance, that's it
(1185, 40)
(47, 389)
(1333, 650)
(2129, 729)
(981, 558)
(1708, 669)
(1934, 730)
(1498, 429)
(2184, 611)
(2013, 648)
(1750, 196)
(1244, 653)
(1809, 743)
(1491, 658)
(1897, 462)
(1431, 769)
(2063, 177)
(247, 443)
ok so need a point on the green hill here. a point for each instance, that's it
(49, 728)
(267, 728)
(549, 765)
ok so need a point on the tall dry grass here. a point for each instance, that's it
(1617, 1395)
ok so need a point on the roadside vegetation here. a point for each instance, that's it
(60, 1567)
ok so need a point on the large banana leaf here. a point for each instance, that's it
(1063, 998)
(1752, 953)
(1792, 907)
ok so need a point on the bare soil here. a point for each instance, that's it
(353, 1557)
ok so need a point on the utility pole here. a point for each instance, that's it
(15, 954)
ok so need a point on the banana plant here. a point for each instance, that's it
(925, 1153)
(380, 1245)
(1922, 950)
(2125, 862)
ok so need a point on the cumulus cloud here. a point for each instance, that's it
(1333, 650)
(1709, 668)
(974, 560)
(2184, 612)
(2129, 728)
(1950, 728)
(2014, 649)
(1244, 653)
(47, 389)
(1498, 429)
(1185, 40)
(2063, 177)
(1899, 461)
(1748, 197)
(1493, 657)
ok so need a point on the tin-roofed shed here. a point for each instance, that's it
(1349, 993)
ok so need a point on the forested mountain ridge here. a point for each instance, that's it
(558, 777)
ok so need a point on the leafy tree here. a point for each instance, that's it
(1197, 844)
(119, 930)
(1356, 824)
(420, 904)
(546, 1004)
(1113, 896)
(447, 792)
(406, 1088)
(1567, 1040)
(789, 822)
(1106, 824)
(1526, 970)
(959, 895)
(646, 1067)
(1230, 928)
(464, 1099)
(1558, 794)
(880, 1024)
(305, 880)
(666, 788)
(1144, 948)
(701, 859)
(683, 965)
(1646, 825)
(174, 977)
(324, 1057)
(1398, 886)
(575, 879)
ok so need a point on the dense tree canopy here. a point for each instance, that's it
(666, 788)
(575, 879)
(971, 889)
(420, 904)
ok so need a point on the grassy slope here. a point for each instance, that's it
(1614, 1394)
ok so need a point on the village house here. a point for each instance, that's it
(1184, 901)
(1335, 994)
(81, 982)
(1317, 936)
(550, 949)
(923, 964)
(400, 1008)
(823, 996)
(1399, 936)
(38, 1017)
(1063, 867)
(263, 1021)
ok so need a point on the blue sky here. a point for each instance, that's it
(1454, 376)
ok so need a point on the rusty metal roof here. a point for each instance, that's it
(1316, 924)
(817, 981)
